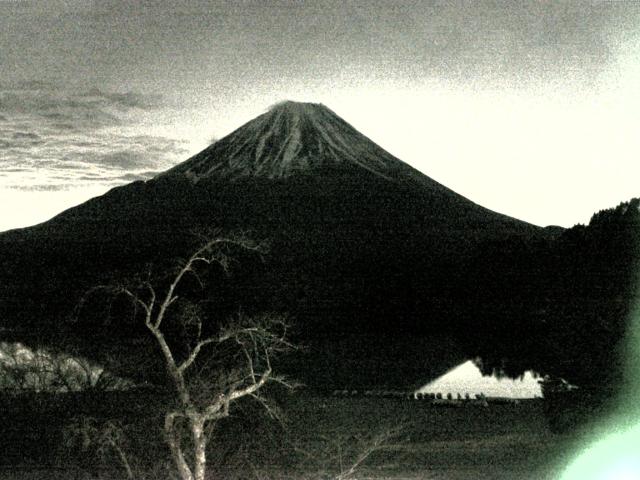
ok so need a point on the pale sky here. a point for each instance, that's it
(529, 108)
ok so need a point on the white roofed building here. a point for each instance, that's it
(466, 379)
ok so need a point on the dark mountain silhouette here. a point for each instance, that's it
(369, 256)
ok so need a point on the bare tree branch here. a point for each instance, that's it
(194, 354)
(173, 440)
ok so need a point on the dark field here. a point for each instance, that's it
(470, 442)
(324, 436)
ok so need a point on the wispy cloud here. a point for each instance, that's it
(52, 139)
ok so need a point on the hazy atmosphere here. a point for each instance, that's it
(530, 109)
(319, 239)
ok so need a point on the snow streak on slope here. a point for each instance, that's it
(292, 138)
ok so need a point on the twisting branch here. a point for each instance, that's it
(207, 254)
(194, 353)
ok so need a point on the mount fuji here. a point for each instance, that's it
(367, 254)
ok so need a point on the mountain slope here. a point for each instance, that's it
(367, 254)
(293, 138)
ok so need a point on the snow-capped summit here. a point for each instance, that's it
(291, 138)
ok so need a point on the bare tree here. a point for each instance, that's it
(209, 368)
(341, 457)
(105, 438)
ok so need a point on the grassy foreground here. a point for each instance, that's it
(324, 436)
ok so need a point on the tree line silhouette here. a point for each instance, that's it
(559, 306)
